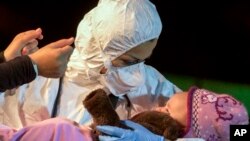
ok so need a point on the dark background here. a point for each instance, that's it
(209, 40)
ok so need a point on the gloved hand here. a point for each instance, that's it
(118, 134)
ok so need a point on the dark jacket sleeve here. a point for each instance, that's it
(16, 72)
(2, 58)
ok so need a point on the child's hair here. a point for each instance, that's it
(100, 107)
(160, 123)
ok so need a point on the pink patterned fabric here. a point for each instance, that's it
(210, 115)
(55, 129)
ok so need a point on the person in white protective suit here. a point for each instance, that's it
(112, 42)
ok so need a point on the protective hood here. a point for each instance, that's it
(109, 30)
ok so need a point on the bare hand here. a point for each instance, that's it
(24, 43)
(52, 59)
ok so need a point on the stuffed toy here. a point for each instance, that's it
(101, 109)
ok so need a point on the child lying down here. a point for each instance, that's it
(103, 113)
(198, 113)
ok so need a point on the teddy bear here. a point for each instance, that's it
(103, 112)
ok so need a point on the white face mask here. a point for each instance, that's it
(122, 80)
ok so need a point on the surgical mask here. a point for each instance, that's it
(122, 80)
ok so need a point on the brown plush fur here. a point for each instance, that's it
(99, 106)
(160, 124)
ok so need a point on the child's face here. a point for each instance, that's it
(176, 107)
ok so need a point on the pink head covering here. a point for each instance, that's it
(210, 115)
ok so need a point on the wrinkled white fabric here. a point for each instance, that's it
(107, 31)
(123, 80)
(34, 102)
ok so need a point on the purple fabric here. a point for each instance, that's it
(55, 129)
(210, 115)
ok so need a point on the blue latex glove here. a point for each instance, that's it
(139, 133)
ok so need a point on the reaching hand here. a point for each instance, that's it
(24, 43)
(118, 134)
(52, 59)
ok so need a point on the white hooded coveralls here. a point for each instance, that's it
(106, 32)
